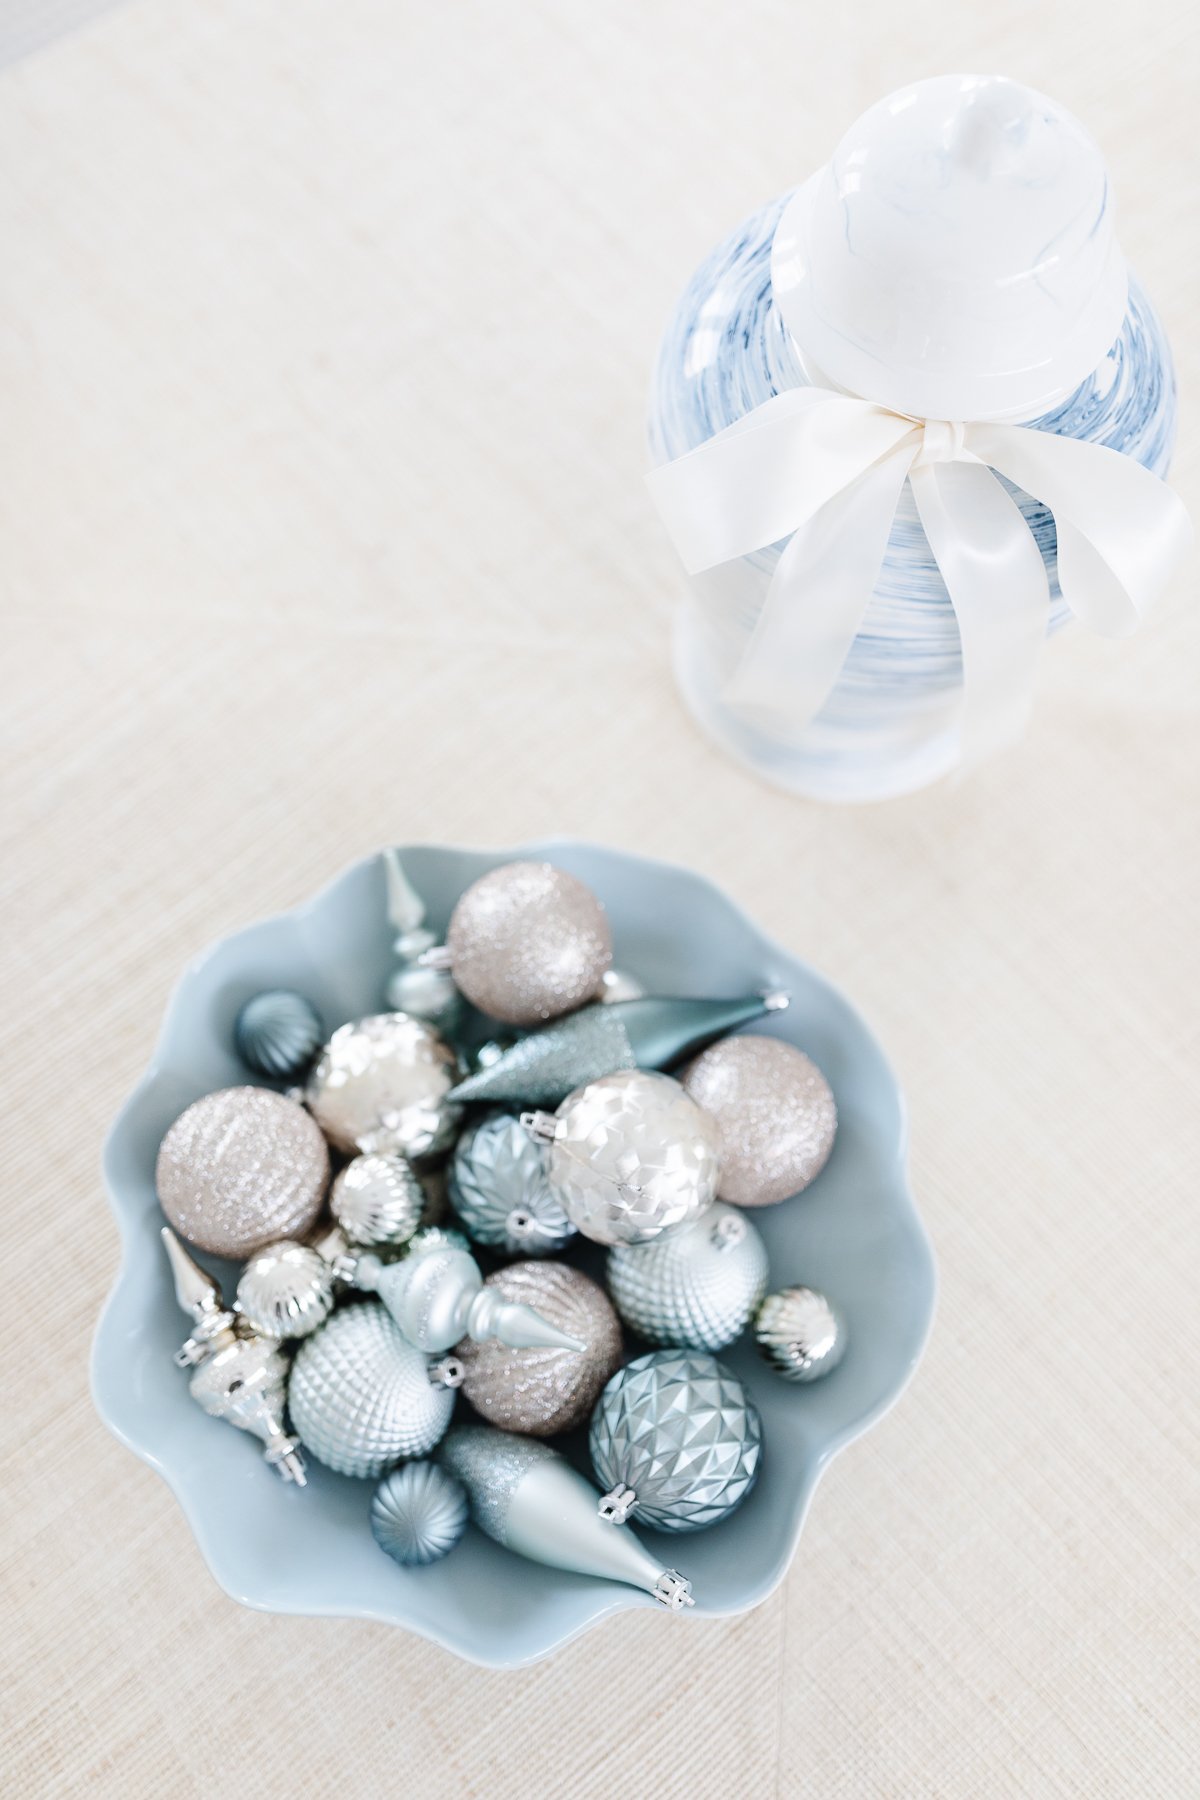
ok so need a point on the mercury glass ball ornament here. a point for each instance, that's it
(361, 1397)
(241, 1168)
(418, 1513)
(527, 942)
(541, 1391)
(676, 1440)
(377, 1199)
(285, 1291)
(697, 1286)
(277, 1033)
(775, 1111)
(631, 1156)
(800, 1333)
(499, 1189)
(381, 1084)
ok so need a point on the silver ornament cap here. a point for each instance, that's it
(527, 942)
(377, 1199)
(800, 1333)
(418, 1513)
(544, 1390)
(241, 1168)
(285, 1291)
(499, 1188)
(776, 1114)
(696, 1286)
(381, 1085)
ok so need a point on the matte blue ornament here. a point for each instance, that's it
(418, 1513)
(498, 1188)
(278, 1033)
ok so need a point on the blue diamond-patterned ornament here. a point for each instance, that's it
(676, 1440)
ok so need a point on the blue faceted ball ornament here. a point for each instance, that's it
(277, 1034)
(418, 1513)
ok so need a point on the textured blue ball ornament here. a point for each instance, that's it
(418, 1513)
(278, 1033)
(499, 1189)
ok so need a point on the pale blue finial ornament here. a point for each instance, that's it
(418, 1513)
(277, 1034)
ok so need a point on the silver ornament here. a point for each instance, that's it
(418, 1514)
(527, 942)
(617, 984)
(696, 1286)
(676, 1439)
(377, 1199)
(239, 1379)
(776, 1114)
(362, 1397)
(436, 1237)
(542, 1391)
(285, 1291)
(529, 1499)
(381, 1084)
(239, 1169)
(438, 1297)
(277, 1034)
(428, 994)
(631, 1156)
(800, 1333)
(499, 1190)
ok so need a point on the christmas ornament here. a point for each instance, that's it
(675, 1438)
(382, 1084)
(436, 1237)
(277, 1034)
(776, 1115)
(631, 1156)
(617, 984)
(542, 1391)
(530, 1499)
(526, 942)
(238, 1379)
(418, 1514)
(362, 1397)
(696, 1286)
(285, 1291)
(437, 1297)
(423, 993)
(546, 1066)
(377, 1199)
(239, 1169)
(499, 1190)
(800, 1333)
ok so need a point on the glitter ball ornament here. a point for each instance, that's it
(438, 1297)
(527, 942)
(776, 1115)
(418, 1513)
(499, 1190)
(381, 1084)
(529, 1499)
(800, 1333)
(376, 1199)
(285, 1291)
(239, 1169)
(677, 1441)
(542, 1391)
(631, 1156)
(697, 1286)
(361, 1396)
(277, 1034)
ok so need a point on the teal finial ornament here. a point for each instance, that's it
(277, 1034)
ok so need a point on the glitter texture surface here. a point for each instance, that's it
(527, 942)
(543, 1068)
(491, 1466)
(240, 1168)
(360, 1396)
(776, 1115)
(376, 1199)
(499, 1190)
(544, 1390)
(381, 1084)
(418, 1513)
(697, 1286)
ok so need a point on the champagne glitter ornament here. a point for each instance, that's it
(376, 1199)
(277, 1033)
(542, 1391)
(696, 1286)
(800, 1333)
(647, 1033)
(423, 993)
(529, 1499)
(418, 1513)
(382, 1084)
(776, 1115)
(285, 1291)
(499, 1190)
(677, 1441)
(631, 1156)
(438, 1297)
(362, 1397)
(526, 942)
(239, 1169)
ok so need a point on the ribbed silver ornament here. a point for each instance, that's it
(285, 1291)
(800, 1333)
(499, 1189)
(696, 1286)
(277, 1033)
(418, 1513)
(377, 1199)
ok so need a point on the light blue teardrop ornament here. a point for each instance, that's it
(418, 1513)
(278, 1033)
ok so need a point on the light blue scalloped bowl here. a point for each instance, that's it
(855, 1233)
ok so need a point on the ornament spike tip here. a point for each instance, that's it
(776, 1000)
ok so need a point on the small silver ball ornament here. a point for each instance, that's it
(377, 1199)
(527, 942)
(277, 1033)
(429, 994)
(800, 1333)
(418, 1513)
(544, 1390)
(381, 1084)
(499, 1189)
(696, 1286)
(285, 1290)
(776, 1114)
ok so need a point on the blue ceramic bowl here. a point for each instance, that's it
(855, 1233)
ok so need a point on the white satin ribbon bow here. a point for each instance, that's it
(825, 471)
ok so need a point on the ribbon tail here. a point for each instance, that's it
(998, 588)
(816, 601)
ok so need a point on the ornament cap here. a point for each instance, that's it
(448, 1373)
(436, 957)
(674, 1590)
(540, 1125)
(616, 1506)
(776, 1000)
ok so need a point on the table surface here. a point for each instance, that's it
(324, 342)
